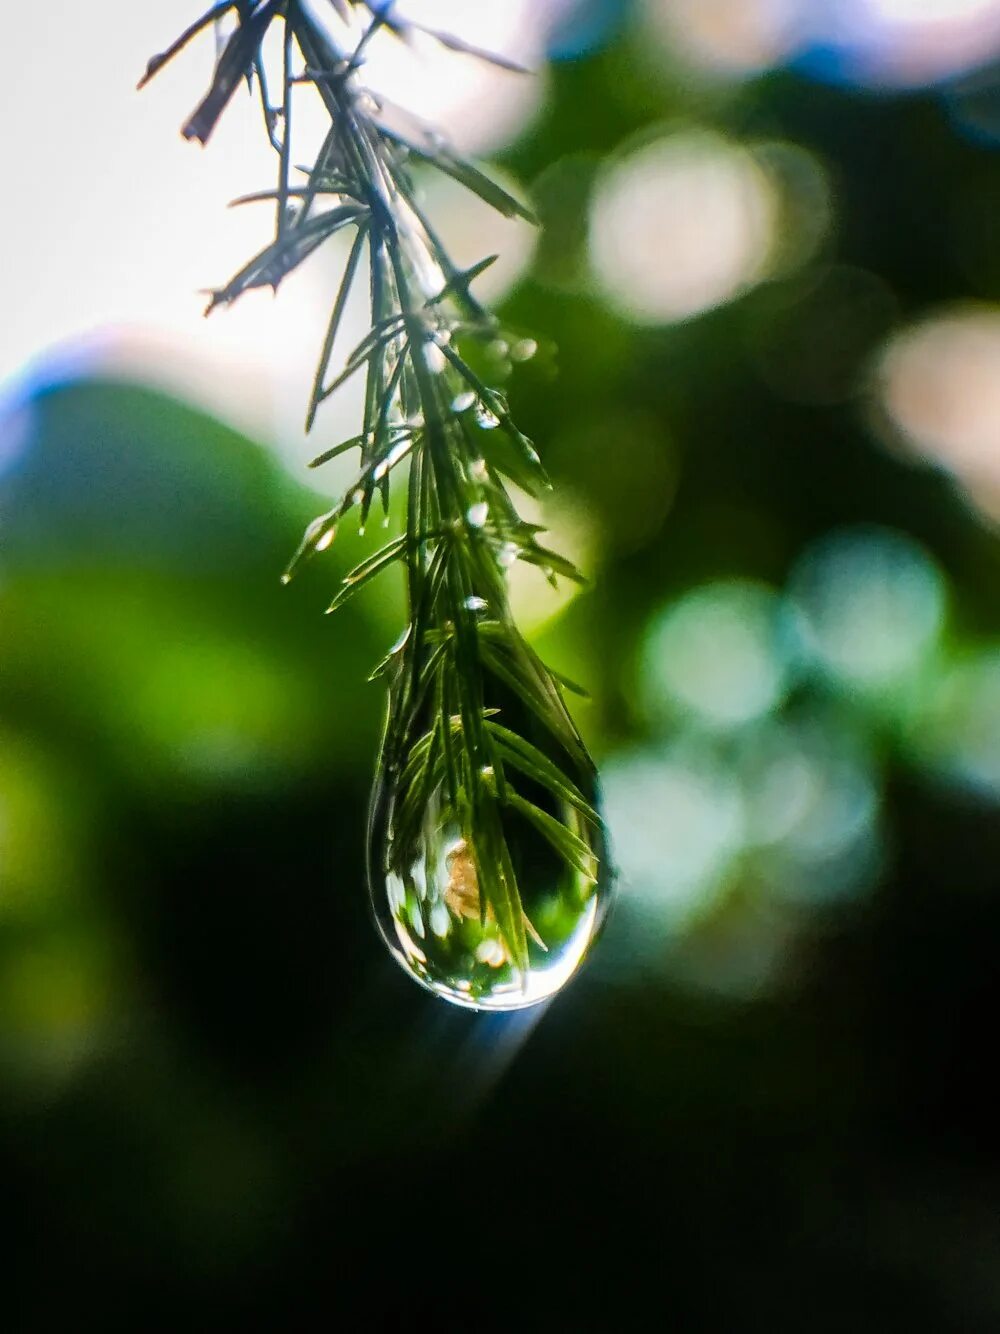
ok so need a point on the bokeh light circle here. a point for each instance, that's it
(681, 225)
(725, 38)
(869, 605)
(938, 385)
(720, 655)
(676, 822)
(811, 796)
(959, 728)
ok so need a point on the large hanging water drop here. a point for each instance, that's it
(494, 912)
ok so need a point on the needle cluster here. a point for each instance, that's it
(461, 679)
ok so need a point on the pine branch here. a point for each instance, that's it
(446, 756)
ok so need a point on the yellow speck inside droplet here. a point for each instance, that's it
(461, 893)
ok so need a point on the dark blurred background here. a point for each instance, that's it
(766, 304)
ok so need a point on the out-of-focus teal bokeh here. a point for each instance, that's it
(758, 343)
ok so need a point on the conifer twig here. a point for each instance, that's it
(425, 406)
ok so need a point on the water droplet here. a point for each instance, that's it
(326, 540)
(397, 452)
(476, 604)
(524, 350)
(478, 514)
(478, 470)
(488, 420)
(443, 901)
(463, 402)
(508, 554)
(434, 358)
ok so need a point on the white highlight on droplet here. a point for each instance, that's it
(397, 452)
(491, 952)
(434, 358)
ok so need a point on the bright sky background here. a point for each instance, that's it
(114, 224)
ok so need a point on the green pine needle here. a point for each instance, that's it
(424, 404)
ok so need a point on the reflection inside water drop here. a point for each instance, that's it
(438, 923)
